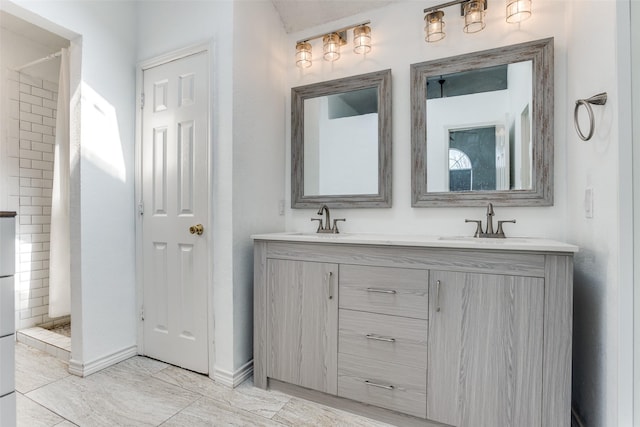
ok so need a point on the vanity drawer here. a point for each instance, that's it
(385, 290)
(396, 387)
(7, 301)
(382, 337)
(7, 365)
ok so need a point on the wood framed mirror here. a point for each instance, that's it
(341, 143)
(482, 128)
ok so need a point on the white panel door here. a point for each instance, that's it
(176, 198)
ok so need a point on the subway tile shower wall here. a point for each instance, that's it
(31, 139)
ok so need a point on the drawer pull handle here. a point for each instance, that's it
(437, 295)
(372, 384)
(381, 291)
(379, 338)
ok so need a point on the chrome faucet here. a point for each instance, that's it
(489, 233)
(325, 226)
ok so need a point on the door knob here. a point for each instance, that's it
(196, 229)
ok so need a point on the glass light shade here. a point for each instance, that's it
(474, 16)
(362, 39)
(518, 10)
(434, 26)
(303, 55)
(331, 43)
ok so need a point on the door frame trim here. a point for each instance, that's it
(207, 48)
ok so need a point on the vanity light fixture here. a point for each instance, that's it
(473, 12)
(303, 54)
(518, 10)
(434, 26)
(331, 46)
(474, 16)
(332, 41)
(362, 39)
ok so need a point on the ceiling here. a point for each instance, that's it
(32, 32)
(296, 15)
(299, 15)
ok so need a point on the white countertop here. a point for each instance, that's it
(459, 242)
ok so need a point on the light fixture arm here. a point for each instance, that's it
(341, 32)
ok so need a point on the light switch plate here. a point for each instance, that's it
(588, 202)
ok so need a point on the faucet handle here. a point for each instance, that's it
(319, 223)
(478, 226)
(335, 224)
(500, 233)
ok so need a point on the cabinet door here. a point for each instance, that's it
(303, 329)
(485, 350)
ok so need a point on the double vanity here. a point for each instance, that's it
(417, 330)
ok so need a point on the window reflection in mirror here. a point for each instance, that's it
(341, 143)
(482, 114)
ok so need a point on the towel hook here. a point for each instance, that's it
(599, 99)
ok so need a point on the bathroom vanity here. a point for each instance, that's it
(417, 330)
(7, 319)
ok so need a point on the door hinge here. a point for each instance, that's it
(142, 313)
(141, 208)
(142, 101)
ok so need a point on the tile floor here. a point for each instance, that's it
(145, 392)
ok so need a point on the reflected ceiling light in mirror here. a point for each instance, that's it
(518, 11)
(362, 39)
(303, 54)
(332, 41)
(474, 16)
(434, 26)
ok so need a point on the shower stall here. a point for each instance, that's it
(32, 155)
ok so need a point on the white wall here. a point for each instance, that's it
(103, 287)
(258, 150)
(602, 266)
(247, 139)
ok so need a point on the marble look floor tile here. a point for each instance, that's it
(31, 414)
(208, 412)
(35, 368)
(110, 398)
(245, 396)
(300, 412)
(66, 424)
(137, 365)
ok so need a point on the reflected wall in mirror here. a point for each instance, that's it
(341, 142)
(483, 128)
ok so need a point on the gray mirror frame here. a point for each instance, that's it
(382, 81)
(541, 53)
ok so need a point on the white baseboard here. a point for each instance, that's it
(83, 369)
(233, 379)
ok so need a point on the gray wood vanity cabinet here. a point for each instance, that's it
(463, 333)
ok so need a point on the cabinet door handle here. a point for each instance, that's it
(372, 384)
(381, 291)
(380, 338)
(330, 283)
(437, 295)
